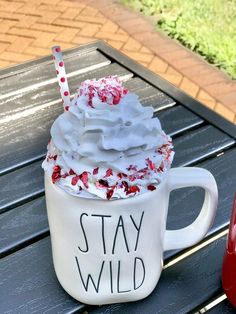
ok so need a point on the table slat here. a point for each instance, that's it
(28, 283)
(198, 144)
(21, 185)
(45, 71)
(22, 224)
(24, 140)
(150, 95)
(26, 102)
(178, 119)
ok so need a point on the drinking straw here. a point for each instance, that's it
(61, 76)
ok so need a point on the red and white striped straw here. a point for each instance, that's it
(61, 76)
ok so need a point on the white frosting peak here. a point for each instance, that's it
(98, 132)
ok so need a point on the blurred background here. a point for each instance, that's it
(189, 43)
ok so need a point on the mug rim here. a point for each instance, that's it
(140, 196)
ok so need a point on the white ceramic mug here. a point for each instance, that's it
(112, 251)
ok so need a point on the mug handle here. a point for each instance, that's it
(190, 235)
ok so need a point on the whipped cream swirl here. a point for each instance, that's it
(107, 144)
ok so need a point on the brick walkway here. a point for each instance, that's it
(30, 27)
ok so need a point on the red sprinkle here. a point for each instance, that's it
(75, 180)
(151, 165)
(53, 157)
(57, 72)
(126, 186)
(58, 49)
(66, 108)
(66, 93)
(57, 169)
(151, 187)
(133, 189)
(84, 178)
(63, 79)
(95, 171)
(56, 175)
(110, 193)
(119, 175)
(71, 172)
(103, 182)
(132, 167)
(108, 173)
(116, 100)
(61, 63)
(161, 168)
(132, 178)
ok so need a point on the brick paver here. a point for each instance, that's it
(30, 27)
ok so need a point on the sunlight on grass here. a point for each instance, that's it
(207, 27)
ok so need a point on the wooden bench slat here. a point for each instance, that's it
(26, 102)
(22, 224)
(46, 71)
(28, 283)
(151, 96)
(21, 185)
(198, 144)
(178, 119)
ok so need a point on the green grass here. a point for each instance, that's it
(207, 27)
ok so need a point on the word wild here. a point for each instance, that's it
(115, 246)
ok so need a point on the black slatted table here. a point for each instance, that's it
(30, 102)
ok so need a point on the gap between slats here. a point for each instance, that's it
(207, 306)
(169, 262)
